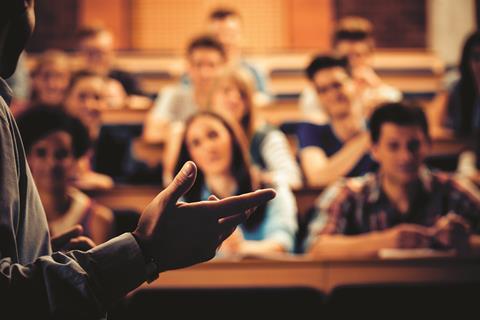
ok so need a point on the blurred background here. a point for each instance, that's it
(165, 26)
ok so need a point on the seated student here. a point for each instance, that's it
(54, 141)
(459, 109)
(339, 148)
(269, 148)
(95, 46)
(205, 60)
(85, 98)
(404, 205)
(50, 78)
(226, 24)
(219, 150)
(353, 38)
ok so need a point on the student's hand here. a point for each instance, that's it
(233, 243)
(408, 236)
(366, 77)
(452, 232)
(180, 234)
(72, 239)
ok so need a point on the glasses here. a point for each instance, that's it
(332, 86)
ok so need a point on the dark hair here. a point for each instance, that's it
(400, 114)
(352, 28)
(86, 32)
(79, 75)
(321, 62)
(223, 13)
(206, 42)
(12, 8)
(37, 123)
(240, 165)
(466, 85)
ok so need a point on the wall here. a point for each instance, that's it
(270, 25)
(398, 24)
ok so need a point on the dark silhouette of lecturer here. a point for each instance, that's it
(82, 284)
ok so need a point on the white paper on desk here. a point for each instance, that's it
(413, 253)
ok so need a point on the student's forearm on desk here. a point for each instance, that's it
(359, 246)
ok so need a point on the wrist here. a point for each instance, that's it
(151, 264)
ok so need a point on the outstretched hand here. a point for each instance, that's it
(178, 234)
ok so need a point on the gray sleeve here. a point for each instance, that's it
(74, 284)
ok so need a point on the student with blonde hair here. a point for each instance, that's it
(268, 146)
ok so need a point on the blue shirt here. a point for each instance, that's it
(279, 223)
(322, 136)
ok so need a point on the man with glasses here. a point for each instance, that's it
(95, 45)
(340, 147)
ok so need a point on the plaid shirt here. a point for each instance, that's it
(359, 205)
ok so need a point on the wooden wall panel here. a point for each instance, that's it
(398, 24)
(169, 24)
(112, 14)
(56, 21)
(311, 23)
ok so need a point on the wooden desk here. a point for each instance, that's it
(323, 276)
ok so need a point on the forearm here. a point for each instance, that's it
(261, 247)
(156, 129)
(341, 246)
(337, 166)
(81, 284)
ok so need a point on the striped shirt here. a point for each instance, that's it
(270, 150)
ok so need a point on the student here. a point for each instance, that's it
(219, 149)
(353, 38)
(85, 99)
(461, 112)
(205, 61)
(268, 146)
(54, 141)
(95, 46)
(226, 24)
(404, 205)
(50, 79)
(34, 282)
(339, 148)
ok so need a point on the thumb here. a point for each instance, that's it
(182, 182)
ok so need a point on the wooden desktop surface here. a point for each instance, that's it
(321, 275)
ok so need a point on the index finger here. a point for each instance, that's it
(233, 205)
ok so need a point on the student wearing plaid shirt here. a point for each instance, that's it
(404, 205)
